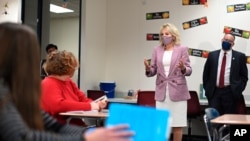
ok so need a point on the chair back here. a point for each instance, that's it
(146, 98)
(193, 105)
(193, 110)
(94, 94)
(207, 123)
(210, 113)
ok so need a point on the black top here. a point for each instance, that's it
(43, 74)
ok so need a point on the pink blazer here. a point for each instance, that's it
(176, 80)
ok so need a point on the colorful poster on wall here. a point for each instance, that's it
(198, 53)
(194, 2)
(204, 54)
(238, 7)
(237, 32)
(157, 15)
(152, 37)
(194, 23)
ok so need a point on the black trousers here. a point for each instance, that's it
(223, 101)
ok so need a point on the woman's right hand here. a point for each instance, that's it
(115, 133)
(102, 104)
(95, 106)
(146, 64)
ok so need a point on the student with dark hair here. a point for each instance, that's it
(20, 113)
(49, 48)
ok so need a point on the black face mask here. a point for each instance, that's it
(226, 45)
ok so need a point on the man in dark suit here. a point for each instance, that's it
(223, 93)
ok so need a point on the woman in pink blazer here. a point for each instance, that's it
(170, 63)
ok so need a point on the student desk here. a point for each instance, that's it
(95, 114)
(204, 102)
(122, 100)
(230, 119)
(86, 114)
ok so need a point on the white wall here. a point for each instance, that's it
(93, 43)
(114, 43)
(127, 45)
(124, 49)
(114, 39)
(65, 34)
(13, 9)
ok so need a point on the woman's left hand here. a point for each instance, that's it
(181, 64)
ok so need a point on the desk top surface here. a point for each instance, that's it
(204, 102)
(92, 114)
(123, 100)
(232, 119)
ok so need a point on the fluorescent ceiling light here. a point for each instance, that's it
(59, 9)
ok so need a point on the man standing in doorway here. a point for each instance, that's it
(49, 48)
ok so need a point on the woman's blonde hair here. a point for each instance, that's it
(172, 30)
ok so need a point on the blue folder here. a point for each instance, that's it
(149, 124)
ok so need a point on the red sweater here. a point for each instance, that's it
(62, 96)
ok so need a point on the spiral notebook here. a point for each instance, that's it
(149, 124)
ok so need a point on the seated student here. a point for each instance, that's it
(20, 113)
(60, 93)
(49, 48)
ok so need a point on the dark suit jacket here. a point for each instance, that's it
(238, 73)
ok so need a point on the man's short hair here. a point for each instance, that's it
(49, 46)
